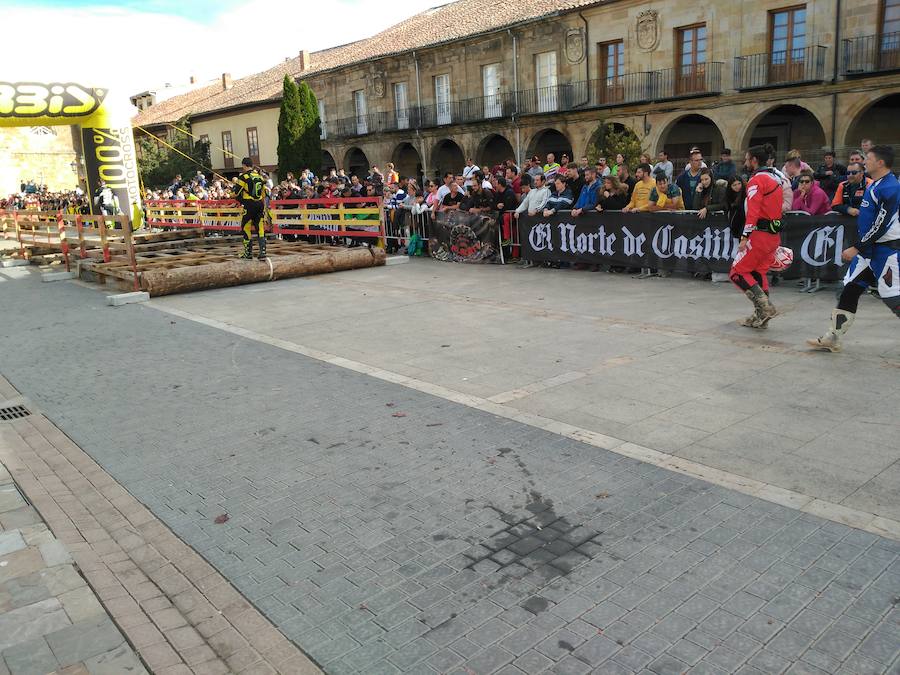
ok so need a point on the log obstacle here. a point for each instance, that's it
(177, 255)
(197, 277)
(214, 264)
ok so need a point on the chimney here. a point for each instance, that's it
(226, 81)
(304, 60)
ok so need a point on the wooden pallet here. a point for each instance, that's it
(214, 263)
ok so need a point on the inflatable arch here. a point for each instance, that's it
(106, 136)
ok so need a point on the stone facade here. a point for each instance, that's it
(737, 97)
(43, 155)
(824, 113)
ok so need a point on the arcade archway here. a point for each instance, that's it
(494, 150)
(878, 123)
(547, 141)
(407, 161)
(356, 162)
(328, 162)
(788, 127)
(689, 132)
(447, 156)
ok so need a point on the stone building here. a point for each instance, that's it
(41, 155)
(499, 79)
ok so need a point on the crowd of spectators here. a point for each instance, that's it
(39, 198)
(544, 187)
(196, 187)
(538, 187)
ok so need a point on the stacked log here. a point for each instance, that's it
(201, 276)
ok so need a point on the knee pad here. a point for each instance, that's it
(739, 281)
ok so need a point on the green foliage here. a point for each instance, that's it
(159, 164)
(299, 145)
(610, 141)
(309, 147)
(290, 128)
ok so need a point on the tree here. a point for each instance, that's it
(299, 142)
(290, 128)
(158, 164)
(309, 145)
(613, 139)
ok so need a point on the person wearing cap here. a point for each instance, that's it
(250, 190)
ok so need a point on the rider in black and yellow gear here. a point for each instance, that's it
(250, 191)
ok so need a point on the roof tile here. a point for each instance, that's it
(452, 21)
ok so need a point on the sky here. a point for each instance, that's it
(131, 46)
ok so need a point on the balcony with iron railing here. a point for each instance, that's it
(779, 69)
(468, 110)
(870, 54)
(688, 81)
(616, 90)
(703, 79)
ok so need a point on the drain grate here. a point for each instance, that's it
(13, 412)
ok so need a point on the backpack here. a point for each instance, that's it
(415, 245)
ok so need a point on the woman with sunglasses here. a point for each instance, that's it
(809, 197)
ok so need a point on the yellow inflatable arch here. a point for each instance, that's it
(107, 139)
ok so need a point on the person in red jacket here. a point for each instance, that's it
(760, 238)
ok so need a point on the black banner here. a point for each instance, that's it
(677, 241)
(109, 155)
(464, 237)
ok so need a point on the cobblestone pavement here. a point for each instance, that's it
(50, 620)
(659, 363)
(385, 530)
(179, 614)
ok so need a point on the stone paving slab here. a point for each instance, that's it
(50, 619)
(178, 613)
(659, 363)
(385, 530)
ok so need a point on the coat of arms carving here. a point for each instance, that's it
(575, 45)
(648, 30)
(378, 85)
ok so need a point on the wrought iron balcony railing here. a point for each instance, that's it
(871, 54)
(619, 90)
(468, 110)
(777, 69)
(701, 79)
(625, 89)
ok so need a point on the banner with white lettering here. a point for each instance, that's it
(677, 241)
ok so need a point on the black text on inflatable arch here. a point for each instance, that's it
(59, 99)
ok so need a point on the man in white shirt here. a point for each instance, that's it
(534, 202)
(444, 190)
(469, 172)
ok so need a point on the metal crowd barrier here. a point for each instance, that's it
(401, 224)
